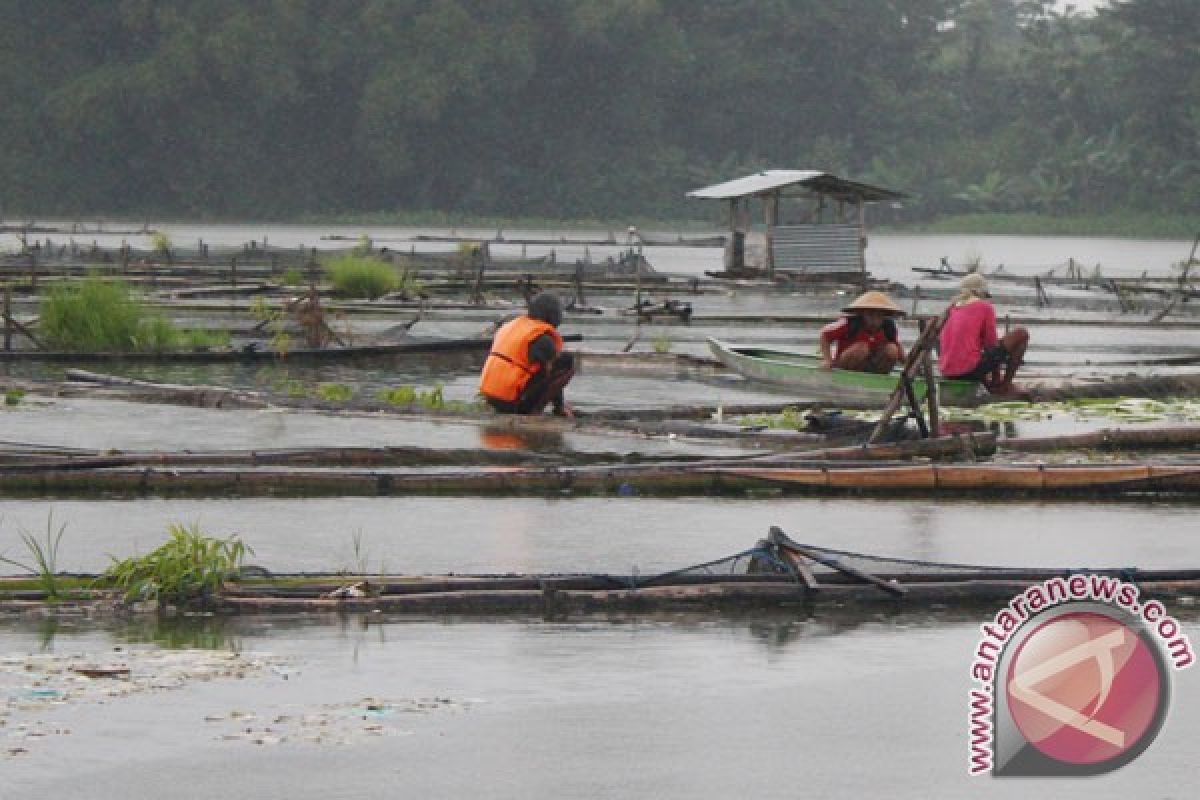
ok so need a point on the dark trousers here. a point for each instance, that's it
(544, 388)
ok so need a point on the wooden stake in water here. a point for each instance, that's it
(7, 318)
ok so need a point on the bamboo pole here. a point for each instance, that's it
(7, 317)
(1111, 439)
(911, 362)
(931, 390)
(1108, 480)
(32, 459)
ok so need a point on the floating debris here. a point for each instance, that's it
(337, 724)
(38, 683)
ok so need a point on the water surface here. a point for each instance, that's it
(764, 707)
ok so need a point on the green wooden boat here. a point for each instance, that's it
(797, 370)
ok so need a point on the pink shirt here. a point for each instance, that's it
(968, 330)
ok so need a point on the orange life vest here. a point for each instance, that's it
(508, 368)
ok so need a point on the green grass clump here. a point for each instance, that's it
(293, 276)
(156, 334)
(361, 276)
(91, 314)
(292, 388)
(408, 396)
(433, 400)
(790, 418)
(43, 563)
(95, 315)
(188, 570)
(200, 339)
(398, 396)
(335, 392)
(13, 397)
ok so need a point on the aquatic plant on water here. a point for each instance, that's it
(790, 418)
(335, 392)
(200, 339)
(43, 558)
(361, 276)
(1117, 409)
(98, 315)
(295, 389)
(161, 243)
(188, 570)
(433, 399)
(410, 396)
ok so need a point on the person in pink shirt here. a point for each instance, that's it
(865, 339)
(970, 349)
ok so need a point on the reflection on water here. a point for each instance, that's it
(178, 632)
(169, 632)
(774, 630)
(499, 437)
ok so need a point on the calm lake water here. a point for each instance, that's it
(614, 534)
(690, 707)
(889, 255)
(763, 707)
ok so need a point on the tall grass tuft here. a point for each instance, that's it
(92, 314)
(361, 276)
(95, 315)
(186, 571)
(43, 558)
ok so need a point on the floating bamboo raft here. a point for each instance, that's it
(417, 346)
(1112, 481)
(776, 573)
(792, 576)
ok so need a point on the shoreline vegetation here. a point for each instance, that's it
(1132, 225)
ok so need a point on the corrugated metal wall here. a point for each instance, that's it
(817, 248)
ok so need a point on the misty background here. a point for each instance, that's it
(577, 109)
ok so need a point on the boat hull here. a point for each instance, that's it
(796, 370)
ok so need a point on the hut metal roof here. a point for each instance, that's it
(773, 180)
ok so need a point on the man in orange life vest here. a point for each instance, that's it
(527, 369)
(865, 338)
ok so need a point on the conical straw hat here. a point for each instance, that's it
(874, 301)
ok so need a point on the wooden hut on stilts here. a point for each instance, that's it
(813, 225)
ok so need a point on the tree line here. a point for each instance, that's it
(591, 108)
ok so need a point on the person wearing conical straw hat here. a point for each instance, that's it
(971, 349)
(865, 339)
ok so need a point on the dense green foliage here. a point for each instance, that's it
(361, 276)
(95, 314)
(186, 570)
(591, 108)
(99, 315)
